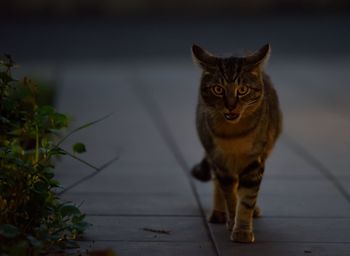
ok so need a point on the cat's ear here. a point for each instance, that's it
(258, 59)
(204, 59)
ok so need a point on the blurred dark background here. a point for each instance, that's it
(107, 30)
(112, 8)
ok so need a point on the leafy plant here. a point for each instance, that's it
(32, 218)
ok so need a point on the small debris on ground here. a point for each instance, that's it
(107, 252)
(158, 231)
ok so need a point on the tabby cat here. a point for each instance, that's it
(238, 121)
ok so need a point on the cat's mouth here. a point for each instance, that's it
(231, 116)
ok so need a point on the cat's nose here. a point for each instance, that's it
(231, 104)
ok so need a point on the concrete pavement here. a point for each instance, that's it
(144, 203)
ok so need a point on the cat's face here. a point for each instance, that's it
(231, 87)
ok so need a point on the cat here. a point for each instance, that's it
(238, 121)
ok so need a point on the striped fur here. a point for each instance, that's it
(238, 122)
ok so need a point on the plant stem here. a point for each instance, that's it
(80, 160)
(80, 128)
(36, 144)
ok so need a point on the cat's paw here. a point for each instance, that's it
(257, 212)
(230, 224)
(217, 217)
(242, 236)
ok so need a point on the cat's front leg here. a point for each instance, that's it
(218, 214)
(249, 184)
(228, 186)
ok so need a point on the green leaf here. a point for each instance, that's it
(4, 120)
(48, 174)
(78, 218)
(45, 142)
(57, 151)
(71, 244)
(60, 121)
(45, 110)
(69, 210)
(19, 249)
(54, 183)
(81, 226)
(79, 148)
(33, 241)
(6, 78)
(17, 150)
(9, 231)
(41, 187)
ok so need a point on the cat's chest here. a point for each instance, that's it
(236, 147)
(242, 140)
(235, 154)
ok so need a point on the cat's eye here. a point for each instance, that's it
(218, 90)
(243, 90)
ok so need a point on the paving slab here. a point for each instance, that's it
(137, 179)
(89, 99)
(317, 109)
(284, 163)
(158, 204)
(128, 134)
(287, 249)
(153, 248)
(174, 88)
(80, 97)
(146, 188)
(311, 83)
(306, 230)
(294, 188)
(293, 198)
(69, 171)
(143, 229)
(345, 182)
(89, 95)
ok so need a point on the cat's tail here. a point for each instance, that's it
(202, 171)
